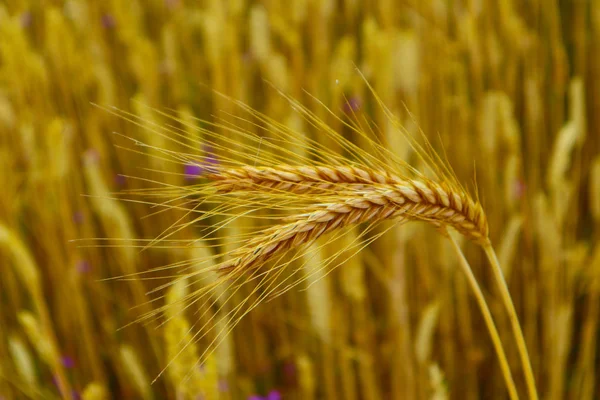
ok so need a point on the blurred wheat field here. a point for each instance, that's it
(506, 91)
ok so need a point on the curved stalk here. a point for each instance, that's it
(489, 321)
(514, 320)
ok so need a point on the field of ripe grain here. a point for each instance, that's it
(302, 199)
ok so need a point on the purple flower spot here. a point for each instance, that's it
(108, 21)
(192, 171)
(210, 164)
(83, 267)
(165, 67)
(120, 180)
(223, 386)
(247, 57)
(75, 395)
(26, 19)
(91, 157)
(519, 189)
(67, 362)
(172, 4)
(210, 159)
(290, 370)
(352, 105)
(78, 217)
(274, 395)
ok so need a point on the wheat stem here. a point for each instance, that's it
(489, 321)
(514, 320)
(28, 270)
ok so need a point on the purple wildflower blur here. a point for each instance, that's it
(78, 217)
(67, 362)
(120, 180)
(92, 156)
(83, 266)
(26, 19)
(108, 21)
(193, 170)
(172, 4)
(273, 395)
(352, 105)
(223, 386)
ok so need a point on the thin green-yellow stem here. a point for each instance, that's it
(45, 321)
(514, 320)
(489, 321)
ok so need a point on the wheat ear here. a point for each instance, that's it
(368, 195)
(28, 271)
(357, 195)
(405, 200)
(297, 179)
